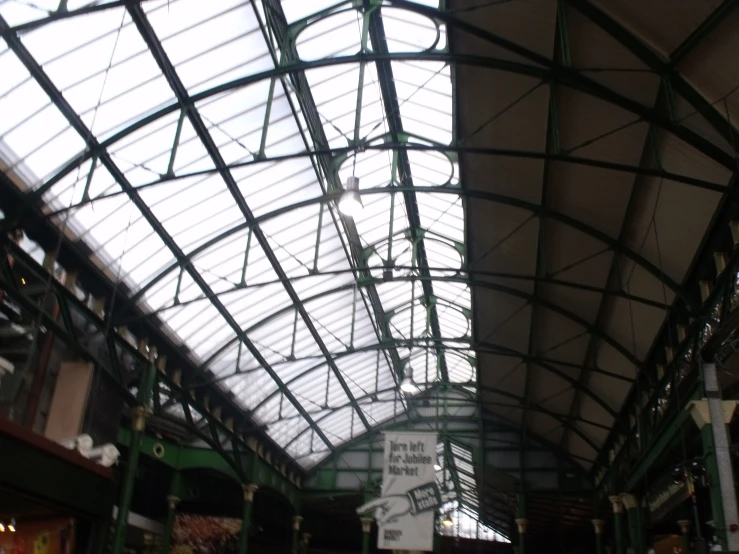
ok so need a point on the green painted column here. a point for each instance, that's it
(366, 534)
(713, 415)
(97, 537)
(172, 501)
(598, 525)
(139, 415)
(717, 506)
(297, 520)
(634, 521)
(522, 524)
(685, 532)
(249, 491)
(618, 512)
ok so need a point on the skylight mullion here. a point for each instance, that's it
(278, 27)
(157, 51)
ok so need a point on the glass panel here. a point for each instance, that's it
(250, 266)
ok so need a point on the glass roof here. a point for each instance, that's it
(205, 179)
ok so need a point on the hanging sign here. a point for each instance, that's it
(667, 496)
(410, 497)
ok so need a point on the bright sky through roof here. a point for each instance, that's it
(158, 193)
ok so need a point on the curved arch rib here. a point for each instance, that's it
(536, 209)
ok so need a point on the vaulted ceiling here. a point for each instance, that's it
(538, 178)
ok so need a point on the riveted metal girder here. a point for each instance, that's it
(517, 403)
(102, 345)
(388, 145)
(538, 210)
(181, 457)
(92, 144)
(553, 71)
(395, 125)
(520, 404)
(276, 25)
(453, 275)
(160, 56)
(401, 423)
(672, 82)
(551, 145)
(572, 78)
(37, 305)
(666, 68)
(702, 31)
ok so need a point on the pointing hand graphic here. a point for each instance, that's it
(388, 508)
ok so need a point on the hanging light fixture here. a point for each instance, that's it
(678, 474)
(2, 527)
(408, 385)
(11, 526)
(696, 469)
(447, 521)
(350, 202)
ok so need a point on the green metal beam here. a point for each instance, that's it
(392, 109)
(160, 56)
(496, 349)
(716, 17)
(19, 255)
(275, 26)
(180, 457)
(384, 143)
(545, 363)
(574, 79)
(476, 276)
(614, 271)
(535, 209)
(119, 345)
(663, 67)
(560, 53)
(64, 298)
(93, 145)
(391, 342)
(656, 448)
(395, 424)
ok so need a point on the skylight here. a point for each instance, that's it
(221, 217)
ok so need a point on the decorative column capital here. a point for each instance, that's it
(629, 501)
(297, 520)
(139, 415)
(684, 526)
(522, 523)
(366, 524)
(173, 501)
(618, 506)
(249, 491)
(598, 525)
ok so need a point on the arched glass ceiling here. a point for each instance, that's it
(199, 196)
